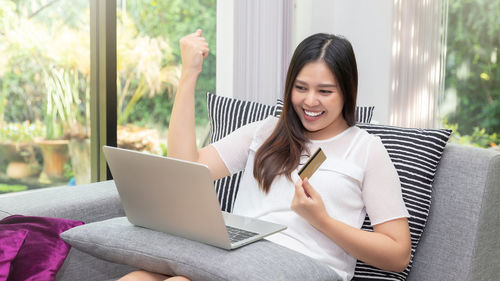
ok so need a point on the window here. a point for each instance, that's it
(149, 67)
(471, 102)
(45, 83)
(44, 94)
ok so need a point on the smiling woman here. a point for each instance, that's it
(319, 60)
(323, 214)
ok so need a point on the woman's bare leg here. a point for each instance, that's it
(142, 275)
(178, 278)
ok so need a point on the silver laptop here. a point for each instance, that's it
(178, 197)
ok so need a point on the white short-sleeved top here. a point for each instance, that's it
(357, 178)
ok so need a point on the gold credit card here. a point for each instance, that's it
(312, 164)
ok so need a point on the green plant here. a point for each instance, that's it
(143, 67)
(64, 114)
(174, 19)
(479, 137)
(4, 188)
(24, 132)
(3, 101)
(16, 141)
(472, 68)
(58, 35)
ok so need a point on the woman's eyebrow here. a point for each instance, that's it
(319, 85)
(327, 85)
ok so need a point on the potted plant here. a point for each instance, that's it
(66, 127)
(17, 149)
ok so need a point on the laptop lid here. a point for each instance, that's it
(177, 197)
(168, 195)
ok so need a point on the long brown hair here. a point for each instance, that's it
(280, 153)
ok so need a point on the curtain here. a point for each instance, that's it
(418, 62)
(262, 38)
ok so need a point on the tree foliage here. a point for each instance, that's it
(173, 19)
(472, 72)
(36, 35)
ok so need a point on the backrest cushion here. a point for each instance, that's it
(416, 154)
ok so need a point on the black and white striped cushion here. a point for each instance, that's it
(364, 114)
(228, 114)
(415, 154)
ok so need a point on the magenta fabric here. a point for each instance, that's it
(43, 251)
(10, 243)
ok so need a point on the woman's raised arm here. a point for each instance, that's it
(181, 132)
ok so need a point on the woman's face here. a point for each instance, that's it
(318, 101)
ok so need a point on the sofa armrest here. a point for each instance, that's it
(88, 203)
(460, 241)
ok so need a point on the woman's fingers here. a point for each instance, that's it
(307, 202)
(197, 33)
(194, 48)
(308, 189)
(299, 190)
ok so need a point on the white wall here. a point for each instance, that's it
(368, 26)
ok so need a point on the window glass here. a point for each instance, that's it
(149, 65)
(471, 103)
(44, 94)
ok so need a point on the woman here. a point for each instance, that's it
(323, 215)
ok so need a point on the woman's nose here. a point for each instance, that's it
(311, 99)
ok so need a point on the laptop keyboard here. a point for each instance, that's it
(236, 234)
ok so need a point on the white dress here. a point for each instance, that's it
(357, 178)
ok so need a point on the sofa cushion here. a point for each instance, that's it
(228, 114)
(119, 241)
(43, 252)
(10, 244)
(416, 154)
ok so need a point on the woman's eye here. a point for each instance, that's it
(325, 91)
(300, 88)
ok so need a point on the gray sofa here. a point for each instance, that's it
(460, 242)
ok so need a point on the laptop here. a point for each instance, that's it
(178, 197)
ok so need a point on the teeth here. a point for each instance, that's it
(313, 114)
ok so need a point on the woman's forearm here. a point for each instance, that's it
(388, 247)
(375, 248)
(181, 132)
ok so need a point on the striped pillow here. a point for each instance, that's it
(364, 114)
(228, 114)
(415, 154)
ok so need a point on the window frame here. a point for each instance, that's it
(103, 100)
